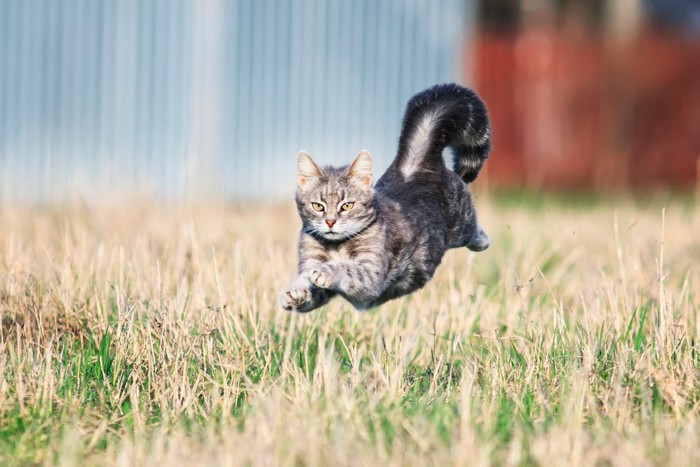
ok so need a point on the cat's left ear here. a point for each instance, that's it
(362, 168)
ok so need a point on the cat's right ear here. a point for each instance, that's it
(306, 168)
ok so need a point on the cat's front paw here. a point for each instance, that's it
(295, 298)
(323, 277)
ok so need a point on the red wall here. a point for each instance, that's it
(571, 111)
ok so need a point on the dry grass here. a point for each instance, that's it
(139, 334)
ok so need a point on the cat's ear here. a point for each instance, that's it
(362, 168)
(306, 168)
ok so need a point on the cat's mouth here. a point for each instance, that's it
(332, 235)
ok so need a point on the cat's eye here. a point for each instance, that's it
(317, 207)
(347, 206)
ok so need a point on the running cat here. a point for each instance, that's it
(373, 244)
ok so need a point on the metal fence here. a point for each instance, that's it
(179, 97)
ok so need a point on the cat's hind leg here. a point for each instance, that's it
(479, 240)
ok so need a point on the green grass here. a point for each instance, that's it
(151, 334)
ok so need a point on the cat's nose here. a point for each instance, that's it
(330, 222)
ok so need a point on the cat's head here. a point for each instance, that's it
(335, 203)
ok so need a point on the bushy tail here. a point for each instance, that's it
(446, 115)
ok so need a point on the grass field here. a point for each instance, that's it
(148, 334)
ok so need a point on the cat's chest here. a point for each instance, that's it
(339, 254)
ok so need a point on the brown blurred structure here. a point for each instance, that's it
(580, 100)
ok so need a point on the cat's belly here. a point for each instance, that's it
(399, 289)
(409, 275)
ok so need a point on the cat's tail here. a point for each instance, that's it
(446, 115)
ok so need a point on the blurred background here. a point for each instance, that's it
(177, 98)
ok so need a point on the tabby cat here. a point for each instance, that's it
(373, 244)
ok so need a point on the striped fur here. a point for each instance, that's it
(372, 244)
(444, 116)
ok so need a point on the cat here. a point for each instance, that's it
(373, 244)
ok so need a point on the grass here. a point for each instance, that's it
(137, 333)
